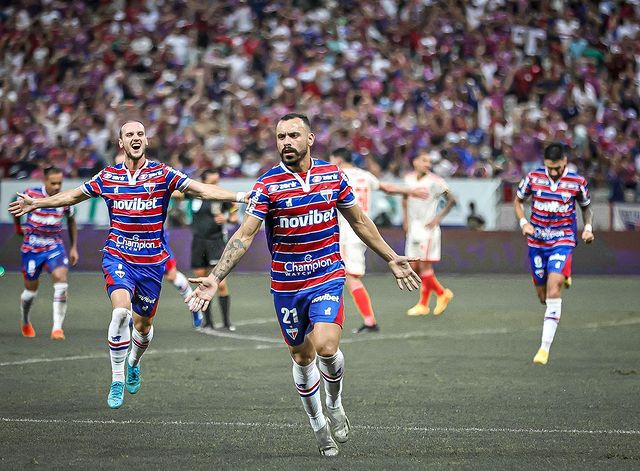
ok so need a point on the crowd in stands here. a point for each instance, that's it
(483, 83)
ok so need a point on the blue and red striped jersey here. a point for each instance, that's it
(43, 226)
(553, 206)
(300, 211)
(137, 207)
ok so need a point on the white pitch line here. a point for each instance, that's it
(187, 423)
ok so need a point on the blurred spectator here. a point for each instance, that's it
(484, 84)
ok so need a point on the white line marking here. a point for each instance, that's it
(261, 320)
(278, 343)
(189, 423)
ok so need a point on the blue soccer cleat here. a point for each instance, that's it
(197, 319)
(116, 394)
(133, 378)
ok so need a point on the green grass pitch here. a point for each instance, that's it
(449, 392)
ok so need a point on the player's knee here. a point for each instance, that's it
(60, 292)
(328, 349)
(120, 316)
(223, 289)
(353, 283)
(28, 295)
(303, 358)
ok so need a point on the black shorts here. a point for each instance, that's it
(206, 252)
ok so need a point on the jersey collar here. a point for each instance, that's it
(132, 179)
(306, 186)
(554, 184)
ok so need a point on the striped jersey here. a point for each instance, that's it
(363, 184)
(553, 206)
(43, 226)
(137, 206)
(300, 211)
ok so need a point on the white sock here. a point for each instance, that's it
(59, 304)
(182, 284)
(26, 300)
(139, 344)
(551, 319)
(118, 339)
(307, 381)
(332, 369)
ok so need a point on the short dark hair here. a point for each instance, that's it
(52, 170)
(208, 171)
(301, 116)
(343, 153)
(554, 152)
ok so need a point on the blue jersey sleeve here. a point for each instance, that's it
(584, 197)
(176, 179)
(259, 201)
(346, 198)
(524, 188)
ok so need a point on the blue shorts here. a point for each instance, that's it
(33, 263)
(297, 313)
(551, 260)
(142, 281)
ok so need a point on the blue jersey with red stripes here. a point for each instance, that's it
(43, 226)
(300, 211)
(553, 206)
(137, 205)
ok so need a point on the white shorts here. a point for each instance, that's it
(423, 244)
(352, 253)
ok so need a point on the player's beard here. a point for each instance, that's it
(293, 159)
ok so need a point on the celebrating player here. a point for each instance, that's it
(352, 249)
(209, 238)
(42, 247)
(298, 200)
(422, 226)
(137, 194)
(552, 232)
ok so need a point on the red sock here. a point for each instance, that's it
(363, 303)
(435, 285)
(425, 290)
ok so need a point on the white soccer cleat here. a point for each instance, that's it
(339, 424)
(326, 444)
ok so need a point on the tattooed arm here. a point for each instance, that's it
(236, 247)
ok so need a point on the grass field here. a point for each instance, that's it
(457, 391)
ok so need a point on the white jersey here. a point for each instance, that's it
(363, 184)
(422, 211)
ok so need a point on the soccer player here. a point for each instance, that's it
(422, 226)
(209, 238)
(42, 247)
(352, 249)
(299, 200)
(137, 194)
(552, 232)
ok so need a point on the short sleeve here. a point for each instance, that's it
(346, 198)
(94, 187)
(176, 179)
(524, 188)
(583, 197)
(258, 201)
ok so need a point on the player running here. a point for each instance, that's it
(137, 195)
(299, 200)
(422, 226)
(552, 232)
(42, 247)
(352, 249)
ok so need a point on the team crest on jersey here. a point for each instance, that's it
(293, 333)
(327, 195)
(149, 187)
(119, 272)
(566, 196)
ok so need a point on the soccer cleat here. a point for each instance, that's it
(197, 319)
(443, 302)
(326, 444)
(418, 310)
(27, 330)
(542, 357)
(339, 424)
(116, 394)
(363, 329)
(230, 328)
(567, 282)
(133, 378)
(57, 334)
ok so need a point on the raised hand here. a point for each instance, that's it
(23, 205)
(405, 276)
(200, 298)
